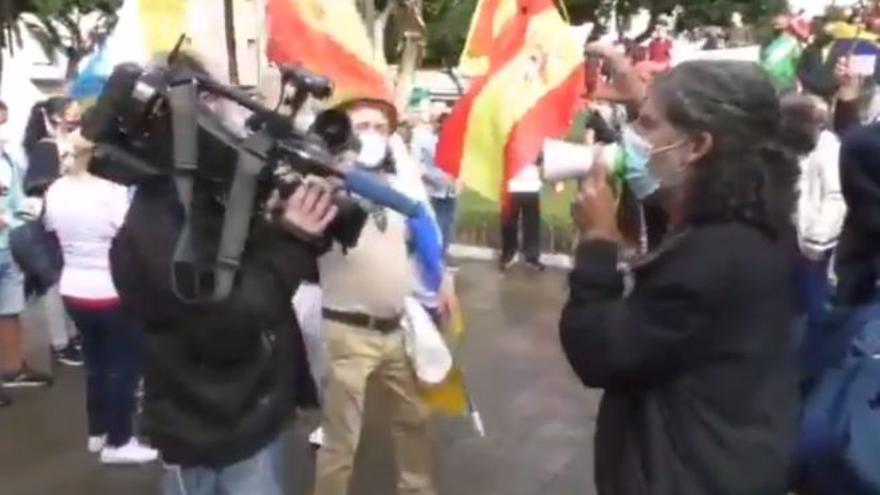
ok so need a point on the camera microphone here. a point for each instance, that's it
(365, 185)
(315, 85)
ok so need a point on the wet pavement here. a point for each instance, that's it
(539, 420)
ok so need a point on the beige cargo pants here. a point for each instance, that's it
(354, 355)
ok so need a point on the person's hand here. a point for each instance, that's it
(602, 50)
(309, 210)
(595, 211)
(849, 83)
(626, 86)
(448, 299)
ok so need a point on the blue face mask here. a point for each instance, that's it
(643, 179)
(637, 153)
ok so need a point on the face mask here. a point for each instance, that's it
(4, 135)
(637, 153)
(647, 175)
(374, 149)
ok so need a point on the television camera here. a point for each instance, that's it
(155, 126)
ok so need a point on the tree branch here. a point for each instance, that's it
(385, 15)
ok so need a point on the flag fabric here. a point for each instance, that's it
(780, 60)
(328, 37)
(530, 92)
(490, 19)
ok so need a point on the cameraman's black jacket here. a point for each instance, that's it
(220, 379)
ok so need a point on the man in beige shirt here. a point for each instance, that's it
(364, 290)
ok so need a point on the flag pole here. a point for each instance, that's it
(564, 10)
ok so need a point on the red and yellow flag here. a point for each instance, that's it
(491, 18)
(328, 37)
(530, 92)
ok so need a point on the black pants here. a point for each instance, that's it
(525, 208)
(112, 348)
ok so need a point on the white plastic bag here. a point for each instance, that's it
(308, 304)
(431, 358)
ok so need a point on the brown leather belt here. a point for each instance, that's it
(363, 320)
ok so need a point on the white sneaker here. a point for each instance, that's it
(131, 453)
(97, 443)
(316, 438)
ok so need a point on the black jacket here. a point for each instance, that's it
(697, 364)
(221, 379)
(858, 251)
(816, 70)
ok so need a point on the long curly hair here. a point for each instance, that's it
(749, 175)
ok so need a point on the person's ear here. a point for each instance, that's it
(700, 146)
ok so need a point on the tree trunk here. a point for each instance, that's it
(414, 33)
(378, 28)
(231, 45)
(74, 57)
(413, 49)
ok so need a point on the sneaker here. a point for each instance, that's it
(97, 443)
(70, 355)
(316, 438)
(131, 453)
(26, 377)
(5, 400)
(536, 265)
(505, 263)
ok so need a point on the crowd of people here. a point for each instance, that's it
(742, 208)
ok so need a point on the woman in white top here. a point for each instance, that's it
(86, 211)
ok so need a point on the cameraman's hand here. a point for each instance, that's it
(309, 210)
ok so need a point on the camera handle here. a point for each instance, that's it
(192, 281)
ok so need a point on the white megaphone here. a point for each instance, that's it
(563, 160)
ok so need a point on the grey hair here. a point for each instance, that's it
(749, 174)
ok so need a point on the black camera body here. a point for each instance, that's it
(154, 126)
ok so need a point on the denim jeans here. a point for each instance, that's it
(11, 285)
(112, 348)
(257, 475)
(445, 209)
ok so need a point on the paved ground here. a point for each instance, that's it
(539, 420)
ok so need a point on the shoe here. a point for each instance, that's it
(536, 265)
(505, 263)
(26, 377)
(5, 400)
(131, 453)
(70, 355)
(316, 438)
(97, 443)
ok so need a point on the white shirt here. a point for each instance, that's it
(86, 212)
(821, 207)
(528, 180)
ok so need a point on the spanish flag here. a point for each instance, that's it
(328, 37)
(490, 19)
(530, 92)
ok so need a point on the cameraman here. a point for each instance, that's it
(221, 379)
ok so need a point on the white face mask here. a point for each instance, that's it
(374, 149)
(4, 135)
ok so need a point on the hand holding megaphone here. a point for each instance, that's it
(595, 209)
